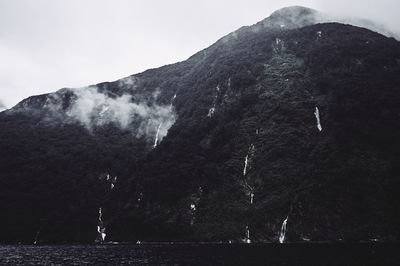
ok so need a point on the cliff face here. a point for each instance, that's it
(282, 119)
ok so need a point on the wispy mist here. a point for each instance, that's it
(130, 82)
(359, 22)
(2, 106)
(381, 16)
(91, 108)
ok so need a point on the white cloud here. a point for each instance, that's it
(92, 108)
(2, 106)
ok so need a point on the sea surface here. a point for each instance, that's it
(202, 254)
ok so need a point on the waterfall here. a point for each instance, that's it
(139, 199)
(158, 132)
(108, 178)
(283, 231)
(211, 111)
(247, 238)
(246, 160)
(172, 101)
(192, 211)
(101, 228)
(113, 182)
(36, 237)
(316, 113)
(249, 191)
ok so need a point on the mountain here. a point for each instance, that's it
(286, 124)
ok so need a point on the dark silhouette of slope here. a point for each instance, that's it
(249, 99)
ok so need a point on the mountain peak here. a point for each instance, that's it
(293, 11)
(292, 17)
(254, 124)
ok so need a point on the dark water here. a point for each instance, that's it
(204, 254)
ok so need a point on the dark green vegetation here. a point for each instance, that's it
(340, 183)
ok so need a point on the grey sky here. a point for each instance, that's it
(49, 44)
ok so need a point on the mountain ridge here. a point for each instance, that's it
(270, 125)
(295, 16)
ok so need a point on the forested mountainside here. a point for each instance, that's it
(287, 124)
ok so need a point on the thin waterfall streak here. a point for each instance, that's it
(158, 132)
(283, 231)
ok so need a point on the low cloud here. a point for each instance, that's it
(359, 22)
(381, 16)
(128, 82)
(2, 106)
(92, 108)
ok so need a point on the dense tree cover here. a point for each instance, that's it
(335, 184)
(265, 83)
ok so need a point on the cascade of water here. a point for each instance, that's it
(101, 228)
(192, 210)
(247, 238)
(113, 182)
(249, 191)
(158, 132)
(36, 237)
(211, 111)
(140, 197)
(172, 101)
(283, 231)
(110, 179)
(246, 160)
(316, 113)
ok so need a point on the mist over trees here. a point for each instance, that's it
(245, 150)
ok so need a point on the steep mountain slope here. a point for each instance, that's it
(282, 119)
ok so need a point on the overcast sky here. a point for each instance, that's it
(49, 44)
